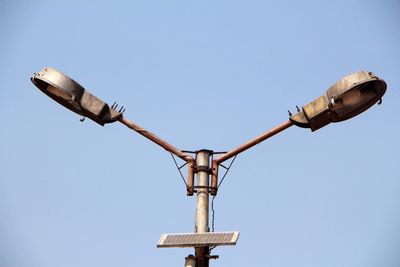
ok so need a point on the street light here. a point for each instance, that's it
(73, 96)
(347, 98)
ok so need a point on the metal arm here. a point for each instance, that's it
(253, 142)
(154, 138)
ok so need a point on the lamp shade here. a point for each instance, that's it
(347, 98)
(73, 96)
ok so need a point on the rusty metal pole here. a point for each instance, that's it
(202, 211)
(254, 141)
(154, 138)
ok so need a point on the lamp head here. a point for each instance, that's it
(347, 98)
(73, 96)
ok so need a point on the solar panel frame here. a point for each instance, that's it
(198, 239)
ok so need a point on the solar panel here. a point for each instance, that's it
(198, 239)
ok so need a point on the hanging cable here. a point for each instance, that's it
(213, 214)
(179, 169)
(212, 200)
(212, 222)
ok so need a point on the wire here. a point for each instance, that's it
(179, 169)
(227, 170)
(213, 214)
(211, 248)
(212, 201)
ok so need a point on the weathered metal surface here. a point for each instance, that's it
(190, 179)
(190, 261)
(73, 96)
(214, 178)
(317, 112)
(254, 141)
(203, 161)
(347, 98)
(202, 204)
(154, 138)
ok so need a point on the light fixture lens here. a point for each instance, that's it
(357, 100)
(59, 93)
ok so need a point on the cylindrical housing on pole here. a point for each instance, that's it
(214, 178)
(190, 178)
(190, 261)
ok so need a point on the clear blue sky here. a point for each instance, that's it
(200, 74)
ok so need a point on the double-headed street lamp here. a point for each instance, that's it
(347, 98)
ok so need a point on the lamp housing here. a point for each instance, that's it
(73, 96)
(347, 98)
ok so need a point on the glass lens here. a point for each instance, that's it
(59, 93)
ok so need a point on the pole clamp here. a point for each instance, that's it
(203, 169)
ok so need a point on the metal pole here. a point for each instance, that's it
(203, 174)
